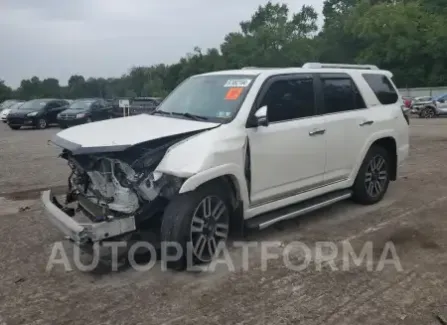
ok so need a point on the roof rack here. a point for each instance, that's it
(318, 65)
(261, 68)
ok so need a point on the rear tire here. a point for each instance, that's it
(198, 222)
(428, 112)
(42, 123)
(373, 176)
(15, 127)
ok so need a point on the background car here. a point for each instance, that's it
(4, 113)
(84, 110)
(420, 102)
(407, 101)
(8, 103)
(141, 105)
(116, 110)
(434, 108)
(37, 112)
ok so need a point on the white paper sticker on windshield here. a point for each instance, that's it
(237, 83)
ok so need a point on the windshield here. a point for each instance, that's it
(81, 104)
(443, 96)
(15, 106)
(34, 104)
(214, 97)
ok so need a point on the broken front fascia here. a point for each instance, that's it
(120, 184)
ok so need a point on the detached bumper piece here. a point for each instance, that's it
(84, 232)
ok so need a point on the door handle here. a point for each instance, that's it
(317, 132)
(366, 123)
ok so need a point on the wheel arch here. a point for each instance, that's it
(230, 175)
(389, 144)
(384, 139)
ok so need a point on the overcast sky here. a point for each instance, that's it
(104, 38)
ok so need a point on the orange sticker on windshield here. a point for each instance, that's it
(233, 93)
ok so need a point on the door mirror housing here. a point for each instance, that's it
(442, 100)
(259, 118)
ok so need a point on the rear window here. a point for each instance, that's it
(383, 88)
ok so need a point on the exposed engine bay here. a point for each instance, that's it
(120, 184)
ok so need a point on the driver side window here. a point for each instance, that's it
(289, 99)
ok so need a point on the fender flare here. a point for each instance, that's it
(232, 170)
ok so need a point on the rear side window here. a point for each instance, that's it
(382, 87)
(340, 93)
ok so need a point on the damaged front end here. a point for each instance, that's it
(113, 194)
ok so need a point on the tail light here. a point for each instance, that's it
(406, 113)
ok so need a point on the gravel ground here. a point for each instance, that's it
(411, 217)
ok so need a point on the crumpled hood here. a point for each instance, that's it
(121, 133)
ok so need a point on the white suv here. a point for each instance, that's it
(233, 149)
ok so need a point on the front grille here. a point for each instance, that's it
(67, 116)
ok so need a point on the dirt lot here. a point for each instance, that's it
(412, 216)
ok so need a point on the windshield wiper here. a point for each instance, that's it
(187, 115)
(162, 112)
(191, 116)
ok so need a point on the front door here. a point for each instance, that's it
(287, 156)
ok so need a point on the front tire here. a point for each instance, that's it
(373, 177)
(197, 222)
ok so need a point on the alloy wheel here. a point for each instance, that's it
(209, 227)
(376, 176)
(429, 113)
(42, 123)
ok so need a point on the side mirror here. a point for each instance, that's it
(261, 116)
(442, 100)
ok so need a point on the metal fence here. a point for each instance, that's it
(423, 91)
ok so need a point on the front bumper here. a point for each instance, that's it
(84, 231)
(22, 120)
(72, 122)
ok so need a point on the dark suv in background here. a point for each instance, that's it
(37, 112)
(84, 110)
(141, 105)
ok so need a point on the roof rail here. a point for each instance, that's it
(318, 65)
(262, 68)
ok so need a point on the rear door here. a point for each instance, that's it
(52, 109)
(348, 124)
(97, 112)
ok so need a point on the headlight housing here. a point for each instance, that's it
(80, 115)
(32, 114)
